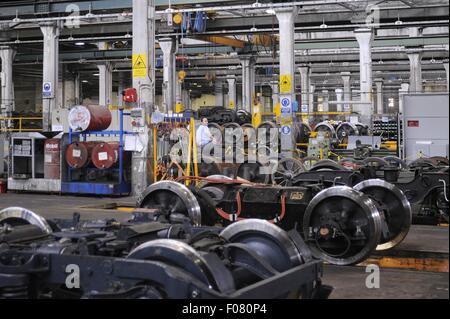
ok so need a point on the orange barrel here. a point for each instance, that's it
(52, 161)
(89, 118)
(78, 154)
(105, 155)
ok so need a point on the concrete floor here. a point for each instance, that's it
(348, 282)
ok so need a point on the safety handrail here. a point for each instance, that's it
(20, 129)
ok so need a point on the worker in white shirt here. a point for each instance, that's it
(204, 136)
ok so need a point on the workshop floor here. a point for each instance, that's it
(348, 282)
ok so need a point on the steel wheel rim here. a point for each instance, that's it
(287, 168)
(404, 205)
(369, 210)
(246, 227)
(27, 216)
(189, 200)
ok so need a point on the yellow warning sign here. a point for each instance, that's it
(139, 65)
(285, 83)
(231, 105)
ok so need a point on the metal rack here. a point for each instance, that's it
(119, 187)
(26, 170)
(191, 149)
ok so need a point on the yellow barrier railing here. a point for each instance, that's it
(312, 114)
(20, 129)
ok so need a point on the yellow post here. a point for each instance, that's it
(179, 108)
(194, 145)
(188, 168)
(155, 158)
(321, 153)
(257, 115)
(20, 125)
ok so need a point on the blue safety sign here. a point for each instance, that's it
(47, 89)
(285, 110)
(286, 130)
(285, 102)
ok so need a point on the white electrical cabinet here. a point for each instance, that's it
(425, 126)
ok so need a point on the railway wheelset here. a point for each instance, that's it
(341, 225)
(143, 258)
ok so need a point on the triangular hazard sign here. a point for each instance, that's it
(139, 63)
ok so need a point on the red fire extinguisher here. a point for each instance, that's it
(130, 95)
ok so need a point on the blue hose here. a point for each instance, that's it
(200, 22)
(186, 26)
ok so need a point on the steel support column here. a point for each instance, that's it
(401, 92)
(275, 93)
(50, 31)
(286, 21)
(312, 89)
(143, 82)
(179, 93)
(7, 55)
(218, 92)
(105, 84)
(304, 76)
(169, 73)
(326, 105)
(380, 102)
(446, 72)
(77, 88)
(415, 63)
(248, 82)
(347, 90)
(231, 92)
(70, 98)
(120, 89)
(365, 109)
(339, 98)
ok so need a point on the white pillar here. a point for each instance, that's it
(275, 93)
(232, 92)
(401, 92)
(77, 89)
(69, 99)
(218, 92)
(312, 89)
(50, 31)
(7, 55)
(365, 110)
(178, 92)
(347, 91)
(339, 98)
(186, 99)
(326, 105)
(380, 104)
(144, 83)
(415, 62)
(105, 84)
(248, 82)
(169, 72)
(286, 22)
(304, 74)
(120, 89)
(446, 71)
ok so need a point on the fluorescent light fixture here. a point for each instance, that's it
(96, 74)
(85, 81)
(270, 11)
(80, 44)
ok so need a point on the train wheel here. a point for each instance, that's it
(342, 226)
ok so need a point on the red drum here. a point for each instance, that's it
(106, 155)
(89, 118)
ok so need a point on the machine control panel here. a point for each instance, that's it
(137, 116)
